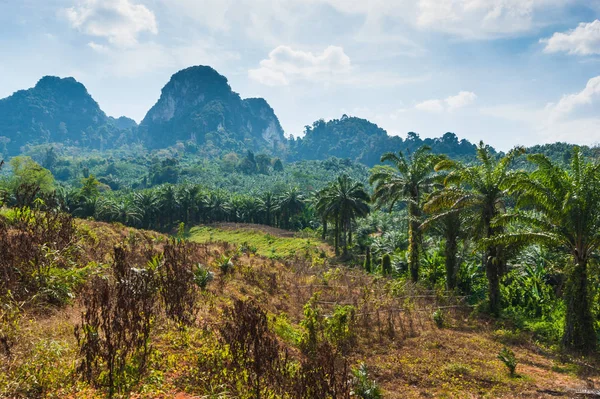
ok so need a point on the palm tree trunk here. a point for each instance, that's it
(350, 232)
(579, 334)
(337, 237)
(324, 234)
(413, 243)
(492, 272)
(451, 266)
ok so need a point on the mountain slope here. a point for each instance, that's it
(198, 106)
(55, 110)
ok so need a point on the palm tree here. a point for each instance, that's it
(480, 191)
(186, 197)
(406, 182)
(147, 202)
(344, 200)
(564, 215)
(290, 204)
(267, 205)
(447, 223)
(216, 206)
(124, 212)
(168, 205)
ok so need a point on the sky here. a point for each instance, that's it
(508, 72)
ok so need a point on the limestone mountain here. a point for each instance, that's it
(55, 110)
(197, 106)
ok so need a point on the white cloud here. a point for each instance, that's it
(451, 103)
(570, 102)
(118, 21)
(583, 40)
(286, 65)
(462, 99)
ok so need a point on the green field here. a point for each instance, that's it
(263, 244)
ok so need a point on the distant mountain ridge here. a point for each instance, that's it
(198, 108)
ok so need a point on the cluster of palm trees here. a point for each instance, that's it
(163, 207)
(503, 211)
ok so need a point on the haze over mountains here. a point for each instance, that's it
(196, 107)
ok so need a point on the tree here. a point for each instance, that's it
(344, 200)
(481, 192)
(564, 215)
(267, 205)
(277, 165)
(290, 204)
(407, 182)
(29, 180)
(447, 223)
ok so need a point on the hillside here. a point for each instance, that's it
(201, 341)
(363, 141)
(56, 110)
(198, 106)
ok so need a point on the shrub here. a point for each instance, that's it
(339, 328)
(202, 276)
(225, 264)
(364, 387)
(439, 318)
(177, 282)
(507, 357)
(117, 318)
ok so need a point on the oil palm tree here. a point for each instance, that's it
(344, 200)
(563, 214)
(406, 182)
(480, 191)
(290, 204)
(148, 203)
(267, 205)
(447, 223)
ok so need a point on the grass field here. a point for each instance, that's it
(260, 242)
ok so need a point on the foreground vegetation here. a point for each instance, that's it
(160, 317)
(329, 275)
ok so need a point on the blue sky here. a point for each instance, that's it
(505, 71)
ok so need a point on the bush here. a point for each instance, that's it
(202, 276)
(114, 333)
(225, 264)
(507, 357)
(364, 387)
(439, 318)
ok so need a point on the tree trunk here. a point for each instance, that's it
(492, 272)
(413, 243)
(324, 234)
(336, 238)
(451, 266)
(579, 334)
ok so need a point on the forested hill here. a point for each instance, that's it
(57, 110)
(364, 141)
